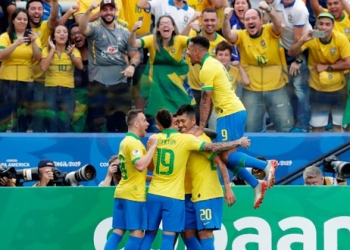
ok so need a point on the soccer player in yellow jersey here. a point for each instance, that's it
(263, 60)
(208, 27)
(43, 29)
(206, 190)
(231, 116)
(328, 57)
(165, 199)
(129, 211)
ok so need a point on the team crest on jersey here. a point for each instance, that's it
(290, 18)
(136, 152)
(263, 43)
(119, 38)
(104, 36)
(347, 30)
(112, 52)
(186, 19)
(197, 139)
(230, 78)
(173, 50)
(333, 50)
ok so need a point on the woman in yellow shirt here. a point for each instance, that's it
(58, 61)
(18, 47)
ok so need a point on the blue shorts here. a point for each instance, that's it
(129, 215)
(190, 216)
(231, 127)
(171, 211)
(209, 213)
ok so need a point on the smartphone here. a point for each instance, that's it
(140, 19)
(319, 34)
(26, 34)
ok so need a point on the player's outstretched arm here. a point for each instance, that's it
(223, 146)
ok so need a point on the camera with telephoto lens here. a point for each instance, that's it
(9, 173)
(85, 173)
(331, 164)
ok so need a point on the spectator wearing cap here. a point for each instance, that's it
(45, 173)
(328, 57)
(83, 6)
(108, 88)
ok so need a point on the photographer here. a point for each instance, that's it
(114, 174)
(45, 173)
(4, 181)
(312, 175)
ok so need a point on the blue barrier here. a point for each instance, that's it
(70, 151)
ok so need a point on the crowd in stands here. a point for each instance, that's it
(80, 69)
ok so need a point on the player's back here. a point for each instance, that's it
(214, 77)
(170, 161)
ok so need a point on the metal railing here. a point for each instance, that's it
(289, 178)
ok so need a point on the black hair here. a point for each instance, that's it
(158, 41)
(31, 1)
(164, 118)
(70, 29)
(210, 10)
(186, 109)
(53, 36)
(201, 41)
(248, 2)
(11, 28)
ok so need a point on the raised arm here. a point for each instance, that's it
(230, 35)
(52, 21)
(133, 41)
(296, 47)
(84, 21)
(67, 15)
(223, 146)
(274, 17)
(316, 7)
(143, 4)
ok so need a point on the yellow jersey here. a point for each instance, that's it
(61, 69)
(234, 76)
(83, 6)
(338, 48)
(342, 26)
(133, 13)
(18, 66)
(132, 185)
(205, 180)
(214, 77)
(170, 159)
(262, 59)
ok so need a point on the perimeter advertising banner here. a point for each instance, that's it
(70, 151)
(79, 218)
